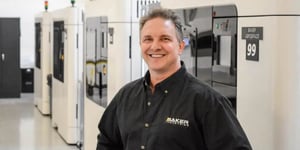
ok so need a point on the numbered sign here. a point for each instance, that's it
(252, 49)
(252, 35)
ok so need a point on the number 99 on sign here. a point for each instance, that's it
(251, 49)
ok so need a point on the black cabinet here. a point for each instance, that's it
(10, 73)
(27, 80)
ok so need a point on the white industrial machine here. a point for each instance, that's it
(42, 62)
(67, 45)
(267, 69)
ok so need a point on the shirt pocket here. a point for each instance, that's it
(173, 134)
(174, 128)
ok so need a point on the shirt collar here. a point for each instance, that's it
(165, 85)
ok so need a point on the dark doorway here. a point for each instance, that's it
(10, 73)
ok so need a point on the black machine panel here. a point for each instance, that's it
(58, 50)
(38, 45)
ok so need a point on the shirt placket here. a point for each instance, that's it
(152, 103)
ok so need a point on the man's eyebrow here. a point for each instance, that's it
(146, 36)
(165, 35)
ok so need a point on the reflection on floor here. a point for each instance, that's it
(22, 127)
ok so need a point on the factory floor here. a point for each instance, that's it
(23, 127)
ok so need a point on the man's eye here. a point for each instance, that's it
(147, 39)
(166, 39)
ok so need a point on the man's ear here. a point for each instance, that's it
(181, 47)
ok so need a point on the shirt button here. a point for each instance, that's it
(166, 91)
(149, 103)
(146, 125)
(142, 147)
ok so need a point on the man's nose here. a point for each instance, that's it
(156, 45)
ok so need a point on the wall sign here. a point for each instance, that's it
(252, 35)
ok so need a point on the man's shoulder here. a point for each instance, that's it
(201, 88)
(132, 86)
(197, 84)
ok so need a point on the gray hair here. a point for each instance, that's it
(166, 14)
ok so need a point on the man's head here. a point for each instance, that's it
(161, 41)
(165, 14)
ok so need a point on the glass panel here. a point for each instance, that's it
(197, 30)
(38, 45)
(211, 46)
(224, 64)
(225, 52)
(96, 60)
(58, 50)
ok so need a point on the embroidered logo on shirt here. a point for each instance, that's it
(177, 121)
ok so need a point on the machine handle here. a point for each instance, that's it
(2, 56)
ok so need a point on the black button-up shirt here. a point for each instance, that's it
(182, 114)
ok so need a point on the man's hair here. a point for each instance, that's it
(166, 14)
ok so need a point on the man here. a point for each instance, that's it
(168, 109)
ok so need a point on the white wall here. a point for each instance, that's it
(287, 99)
(26, 10)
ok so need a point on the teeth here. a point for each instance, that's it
(156, 55)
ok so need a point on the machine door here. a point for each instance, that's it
(96, 59)
(58, 50)
(224, 64)
(210, 53)
(38, 45)
(197, 28)
(10, 72)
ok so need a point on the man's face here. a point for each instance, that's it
(160, 46)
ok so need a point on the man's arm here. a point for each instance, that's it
(221, 128)
(109, 137)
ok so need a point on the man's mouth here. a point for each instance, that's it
(156, 55)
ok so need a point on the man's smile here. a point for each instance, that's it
(157, 55)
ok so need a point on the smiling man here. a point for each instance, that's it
(168, 109)
(161, 48)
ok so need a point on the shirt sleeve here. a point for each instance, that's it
(109, 137)
(221, 128)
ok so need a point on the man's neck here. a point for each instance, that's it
(157, 77)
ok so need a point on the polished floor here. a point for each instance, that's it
(22, 127)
